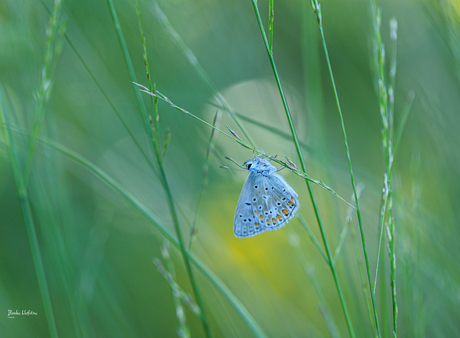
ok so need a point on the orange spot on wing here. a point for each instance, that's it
(290, 203)
(256, 224)
(261, 216)
(268, 221)
(292, 199)
(285, 212)
(273, 220)
(255, 212)
(279, 217)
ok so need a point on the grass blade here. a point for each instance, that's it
(28, 218)
(271, 14)
(190, 56)
(204, 185)
(164, 179)
(129, 65)
(312, 237)
(157, 226)
(54, 41)
(317, 10)
(302, 163)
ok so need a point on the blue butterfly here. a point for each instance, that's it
(267, 202)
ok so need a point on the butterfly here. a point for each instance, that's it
(267, 202)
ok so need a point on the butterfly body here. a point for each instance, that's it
(266, 203)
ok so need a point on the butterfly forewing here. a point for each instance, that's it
(266, 203)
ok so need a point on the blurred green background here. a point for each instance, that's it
(97, 249)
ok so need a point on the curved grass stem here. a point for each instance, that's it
(317, 10)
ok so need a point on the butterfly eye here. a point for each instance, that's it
(249, 166)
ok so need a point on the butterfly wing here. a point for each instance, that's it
(266, 203)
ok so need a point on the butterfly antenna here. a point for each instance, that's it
(225, 167)
(239, 165)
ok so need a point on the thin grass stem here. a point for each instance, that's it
(364, 279)
(312, 237)
(302, 163)
(310, 271)
(317, 9)
(383, 208)
(204, 184)
(387, 113)
(392, 256)
(129, 65)
(271, 14)
(155, 122)
(178, 295)
(54, 41)
(18, 175)
(391, 221)
(106, 97)
(167, 189)
(238, 140)
(343, 235)
(192, 59)
(362, 272)
(402, 122)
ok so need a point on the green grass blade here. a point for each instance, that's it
(190, 56)
(402, 121)
(54, 34)
(391, 221)
(158, 226)
(129, 65)
(365, 281)
(317, 10)
(312, 237)
(204, 184)
(179, 296)
(311, 272)
(28, 218)
(302, 162)
(164, 179)
(104, 94)
(271, 14)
